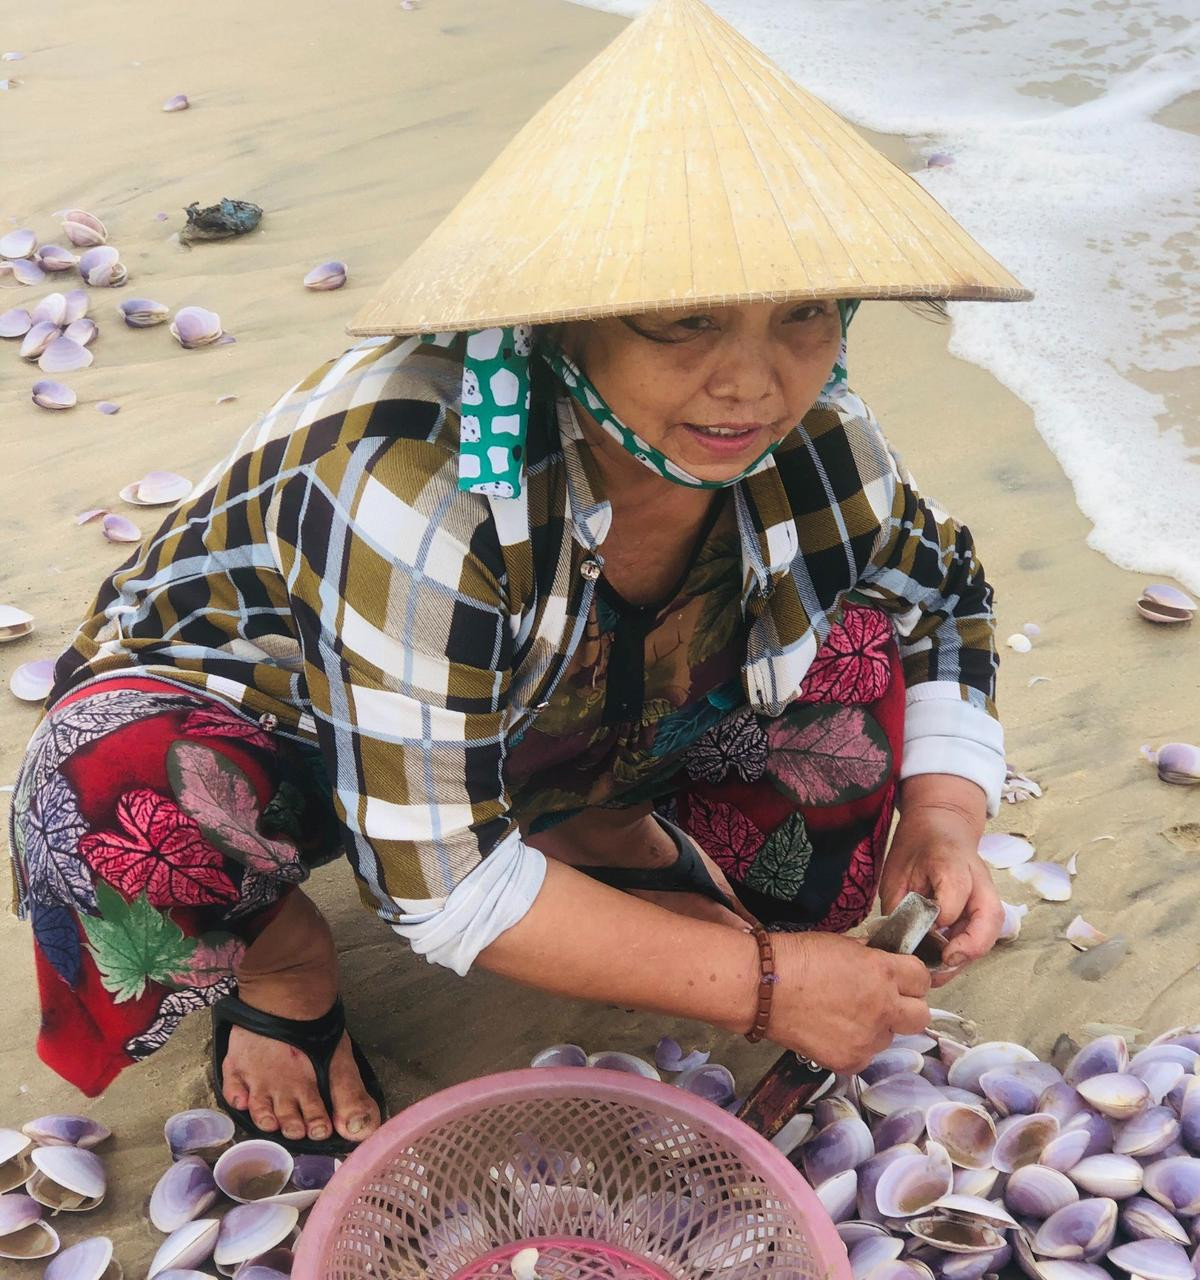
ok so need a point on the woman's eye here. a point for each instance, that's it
(809, 311)
(695, 324)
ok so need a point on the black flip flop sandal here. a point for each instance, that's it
(687, 874)
(316, 1038)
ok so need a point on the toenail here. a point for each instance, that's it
(319, 1131)
(357, 1125)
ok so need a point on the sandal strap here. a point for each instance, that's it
(312, 1036)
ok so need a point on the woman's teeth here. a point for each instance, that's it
(725, 431)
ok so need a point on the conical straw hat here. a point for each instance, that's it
(680, 166)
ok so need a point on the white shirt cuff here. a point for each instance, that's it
(485, 902)
(944, 734)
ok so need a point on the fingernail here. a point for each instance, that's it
(358, 1124)
(953, 959)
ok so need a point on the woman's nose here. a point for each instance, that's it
(745, 374)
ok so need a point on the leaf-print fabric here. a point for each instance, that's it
(145, 864)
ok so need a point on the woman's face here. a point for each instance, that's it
(713, 388)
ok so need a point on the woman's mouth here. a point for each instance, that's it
(725, 438)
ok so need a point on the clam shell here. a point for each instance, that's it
(1010, 930)
(52, 308)
(312, 1172)
(867, 1254)
(1175, 1184)
(14, 1159)
(611, 1060)
(1116, 1094)
(1144, 1219)
(905, 1125)
(82, 331)
(1005, 851)
(15, 323)
(38, 1240)
(915, 1183)
(250, 1229)
(329, 275)
(869, 1174)
(199, 1132)
(977, 1207)
(63, 355)
(18, 1212)
(86, 226)
(163, 489)
(967, 1133)
(1079, 1232)
(1178, 762)
(98, 266)
(66, 1130)
(839, 1194)
(966, 1070)
(902, 1090)
(37, 338)
(1020, 1140)
(25, 271)
(975, 1182)
(793, 1133)
(178, 102)
(952, 1235)
(1116, 1176)
(32, 681)
(143, 313)
(1161, 602)
(1035, 1191)
(90, 1259)
(195, 327)
(183, 1192)
(1061, 1101)
(854, 1230)
(67, 1178)
(843, 1145)
(275, 1264)
(49, 394)
(1150, 1131)
(118, 528)
(78, 301)
(18, 244)
(254, 1170)
(1066, 1151)
(710, 1081)
(1153, 1260)
(14, 623)
(1048, 880)
(53, 257)
(190, 1246)
(1098, 1128)
(1018, 1089)
(1176, 1054)
(902, 1269)
(889, 1063)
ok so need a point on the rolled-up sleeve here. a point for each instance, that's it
(396, 582)
(924, 570)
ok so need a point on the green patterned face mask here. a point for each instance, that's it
(495, 409)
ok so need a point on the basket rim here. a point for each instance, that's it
(554, 1082)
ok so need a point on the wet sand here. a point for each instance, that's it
(356, 133)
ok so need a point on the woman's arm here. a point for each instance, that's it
(837, 1001)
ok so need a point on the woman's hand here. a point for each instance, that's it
(839, 1002)
(936, 852)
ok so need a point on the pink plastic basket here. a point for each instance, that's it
(609, 1176)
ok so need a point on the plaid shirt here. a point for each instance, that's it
(331, 575)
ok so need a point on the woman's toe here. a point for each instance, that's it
(234, 1090)
(316, 1119)
(355, 1114)
(263, 1114)
(291, 1122)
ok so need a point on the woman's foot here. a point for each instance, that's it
(291, 970)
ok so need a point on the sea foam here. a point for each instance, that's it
(1062, 172)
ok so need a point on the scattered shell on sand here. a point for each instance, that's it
(1083, 936)
(157, 489)
(64, 355)
(18, 244)
(329, 275)
(37, 338)
(53, 257)
(1005, 851)
(83, 229)
(15, 322)
(32, 681)
(68, 1179)
(196, 327)
(1178, 763)
(118, 528)
(49, 394)
(177, 103)
(102, 267)
(1010, 930)
(1163, 603)
(1018, 787)
(1049, 880)
(142, 313)
(1019, 642)
(108, 406)
(14, 623)
(53, 307)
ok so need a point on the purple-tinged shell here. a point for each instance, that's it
(1115, 1176)
(37, 338)
(312, 1172)
(715, 1084)
(869, 1174)
(1021, 1139)
(82, 330)
(254, 1170)
(1048, 880)
(1035, 1191)
(250, 1229)
(975, 1182)
(1153, 1260)
(1017, 1089)
(329, 275)
(868, 1253)
(67, 1178)
(1079, 1232)
(1175, 1184)
(143, 313)
(83, 229)
(18, 244)
(967, 1132)
(1161, 602)
(906, 1124)
(190, 1246)
(939, 160)
(32, 681)
(118, 528)
(182, 1194)
(52, 308)
(1178, 1054)
(1062, 1101)
(669, 1056)
(108, 406)
(1144, 1219)
(1116, 1094)
(839, 1194)
(902, 1090)
(1066, 1151)
(14, 623)
(38, 1240)
(90, 1259)
(914, 1184)
(195, 327)
(560, 1055)
(18, 1212)
(611, 1060)
(179, 102)
(1098, 1128)
(843, 1145)
(51, 394)
(15, 323)
(966, 1069)
(1005, 851)
(158, 489)
(275, 1264)
(889, 1063)
(64, 355)
(199, 1132)
(78, 302)
(1178, 762)
(1189, 1118)
(98, 266)
(936, 1072)
(954, 1235)
(53, 257)
(1149, 1132)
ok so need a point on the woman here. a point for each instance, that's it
(593, 626)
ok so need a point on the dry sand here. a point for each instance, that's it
(356, 127)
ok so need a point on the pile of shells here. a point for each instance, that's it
(947, 1159)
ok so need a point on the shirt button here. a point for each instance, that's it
(590, 569)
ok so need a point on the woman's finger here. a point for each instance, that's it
(912, 1016)
(911, 976)
(952, 890)
(978, 930)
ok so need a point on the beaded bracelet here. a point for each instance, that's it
(766, 983)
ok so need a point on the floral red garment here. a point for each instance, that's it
(154, 834)
(797, 810)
